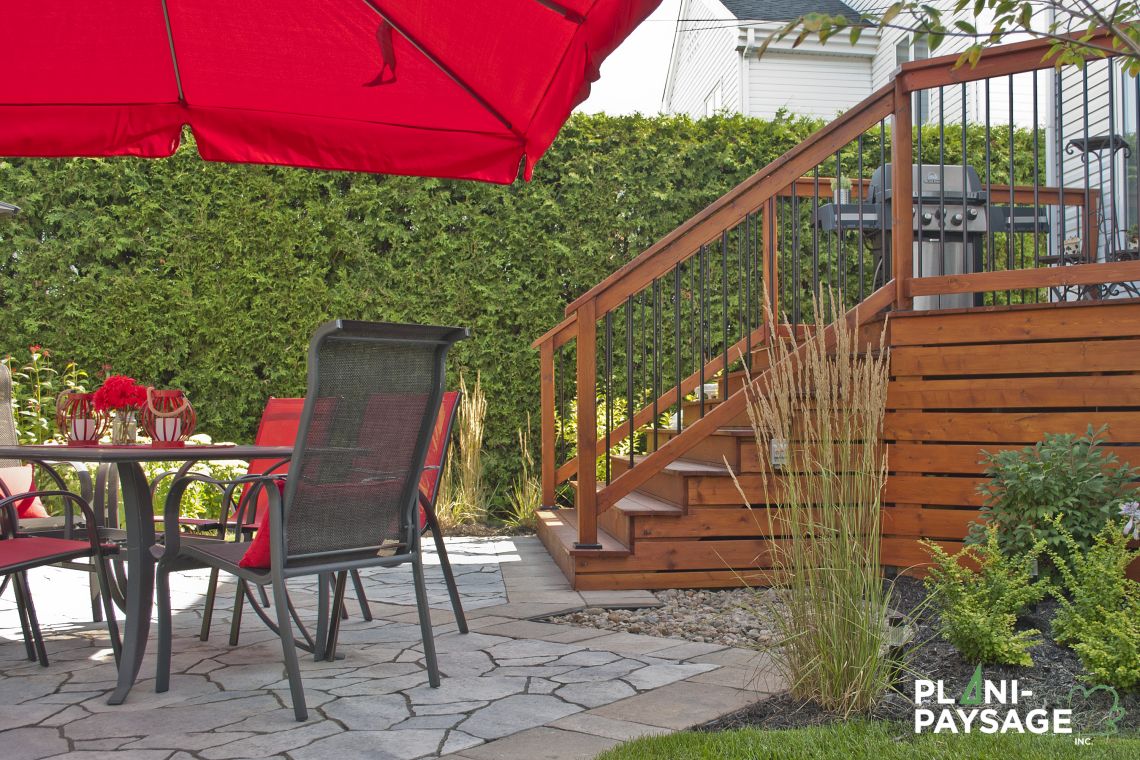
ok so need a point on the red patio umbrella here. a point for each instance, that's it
(447, 88)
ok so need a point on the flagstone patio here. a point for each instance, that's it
(512, 687)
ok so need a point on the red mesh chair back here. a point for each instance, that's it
(437, 449)
(278, 427)
(355, 476)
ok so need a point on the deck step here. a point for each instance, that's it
(638, 504)
(563, 525)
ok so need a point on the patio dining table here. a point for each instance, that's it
(138, 522)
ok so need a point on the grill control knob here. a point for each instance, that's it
(972, 213)
(927, 218)
(956, 220)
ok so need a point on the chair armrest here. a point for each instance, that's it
(9, 507)
(172, 508)
(86, 488)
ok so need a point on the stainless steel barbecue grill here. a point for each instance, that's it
(951, 217)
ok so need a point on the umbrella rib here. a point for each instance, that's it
(445, 69)
(173, 56)
(570, 15)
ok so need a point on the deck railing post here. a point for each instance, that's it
(902, 231)
(771, 258)
(587, 496)
(546, 420)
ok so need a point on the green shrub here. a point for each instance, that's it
(1061, 474)
(1100, 609)
(979, 609)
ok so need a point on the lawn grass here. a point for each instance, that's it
(875, 741)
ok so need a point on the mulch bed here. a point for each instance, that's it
(1054, 674)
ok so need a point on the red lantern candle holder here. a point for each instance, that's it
(168, 417)
(78, 419)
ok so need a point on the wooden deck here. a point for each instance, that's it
(961, 382)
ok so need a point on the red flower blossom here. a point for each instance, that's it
(120, 392)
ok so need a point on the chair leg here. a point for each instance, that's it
(102, 574)
(4, 584)
(334, 624)
(264, 597)
(343, 611)
(208, 610)
(165, 634)
(96, 606)
(448, 576)
(289, 649)
(21, 582)
(235, 621)
(321, 638)
(25, 625)
(358, 587)
(425, 620)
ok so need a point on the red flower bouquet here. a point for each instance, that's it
(120, 392)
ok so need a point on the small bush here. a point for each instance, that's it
(1062, 473)
(463, 495)
(1100, 609)
(979, 609)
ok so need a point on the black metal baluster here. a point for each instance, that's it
(749, 234)
(838, 282)
(795, 210)
(656, 357)
(970, 265)
(1059, 121)
(642, 297)
(814, 237)
(703, 266)
(1114, 230)
(1090, 254)
(1036, 187)
(990, 244)
(1011, 255)
(859, 232)
(885, 262)
(629, 349)
(917, 189)
(724, 301)
(609, 325)
(677, 363)
(941, 184)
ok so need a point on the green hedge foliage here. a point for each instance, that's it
(211, 277)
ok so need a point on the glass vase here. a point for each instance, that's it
(124, 427)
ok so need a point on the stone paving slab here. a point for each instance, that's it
(512, 688)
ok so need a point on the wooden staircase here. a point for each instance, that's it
(698, 522)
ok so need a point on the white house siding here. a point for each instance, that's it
(705, 58)
(806, 85)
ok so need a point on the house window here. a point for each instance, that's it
(712, 101)
(920, 51)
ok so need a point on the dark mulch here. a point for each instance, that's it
(1054, 674)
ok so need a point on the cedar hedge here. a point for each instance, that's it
(211, 277)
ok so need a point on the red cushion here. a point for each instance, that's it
(19, 480)
(19, 551)
(258, 554)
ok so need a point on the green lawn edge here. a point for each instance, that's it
(875, 741)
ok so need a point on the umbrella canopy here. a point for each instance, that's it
(444, 88)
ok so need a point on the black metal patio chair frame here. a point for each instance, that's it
(319, 555)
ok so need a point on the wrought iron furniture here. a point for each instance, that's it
(137, 526)
(21, 552)
(374, 391)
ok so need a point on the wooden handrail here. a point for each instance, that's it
(724, 412)
(731, 208)
(1003, 60)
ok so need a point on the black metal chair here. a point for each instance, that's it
(21, 552)
(350, 501)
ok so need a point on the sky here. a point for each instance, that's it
(633, 77)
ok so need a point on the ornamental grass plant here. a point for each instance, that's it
(463, 498)
(823, 402)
